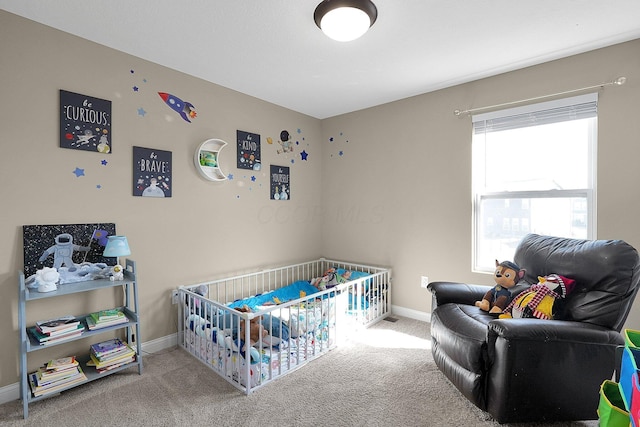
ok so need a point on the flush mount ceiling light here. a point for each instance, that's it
(345, 20)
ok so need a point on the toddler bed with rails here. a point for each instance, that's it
(255, 327)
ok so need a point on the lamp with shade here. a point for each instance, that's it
(117, 246)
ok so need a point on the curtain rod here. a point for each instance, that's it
(617, 82)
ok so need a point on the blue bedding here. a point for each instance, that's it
(291, 292)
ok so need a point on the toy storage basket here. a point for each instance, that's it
(629, 375)
(611, 411)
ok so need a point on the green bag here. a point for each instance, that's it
(632, 338)
(611, 410)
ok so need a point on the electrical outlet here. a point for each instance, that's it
(174, 297)
(424, 281)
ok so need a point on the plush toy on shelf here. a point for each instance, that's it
(117, 273)
(47, 279)
(506, 276)
(541, 300)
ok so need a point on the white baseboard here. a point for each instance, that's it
(411, 314)
(11, 392)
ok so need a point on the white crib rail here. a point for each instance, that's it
(216, 334)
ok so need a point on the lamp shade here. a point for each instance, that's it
(345, 20)
(116, 246)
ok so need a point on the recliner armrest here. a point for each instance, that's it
(534, 361)
(455, 292)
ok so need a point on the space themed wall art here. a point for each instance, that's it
(66, 245)
(185, 109)
(280, 185)
(85, 122)
(151, 172)
(248, 150)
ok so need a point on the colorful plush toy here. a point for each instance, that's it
(540, 300)
(256, 330)
(330, 279)
(506, 276)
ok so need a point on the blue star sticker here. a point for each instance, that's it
(79, 172)
(141, 112)
(104, 163)
(304, 154)
(230, 176)
(135, 88)
(253, 178)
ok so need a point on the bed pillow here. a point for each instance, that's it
(290, 292)
(355, 275)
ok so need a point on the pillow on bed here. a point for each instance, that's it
(290, 292)
(356, 275)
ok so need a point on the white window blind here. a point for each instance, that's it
(533, 171)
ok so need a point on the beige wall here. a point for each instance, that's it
(398, 194)
(205, 230)
(401, 193)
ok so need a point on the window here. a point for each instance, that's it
(533, 172)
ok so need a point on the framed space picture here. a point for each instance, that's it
(280, 188)
(248, 150)
(66, 245)
(85, 123)
(151, 172)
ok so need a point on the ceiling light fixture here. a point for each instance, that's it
(345, 20)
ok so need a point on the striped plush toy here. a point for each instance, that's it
(541, 299)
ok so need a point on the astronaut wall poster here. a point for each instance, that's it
(85, 123)
(73, 248)
(152, 171)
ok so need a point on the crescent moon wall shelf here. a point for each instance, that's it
(207, 160)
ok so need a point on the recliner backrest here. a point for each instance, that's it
(607, 275)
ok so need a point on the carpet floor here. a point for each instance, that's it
(384, 377)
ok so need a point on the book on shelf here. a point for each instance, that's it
(45, 376)
(110, 354)
(105, 348)
(40, 387)
(112, 363)
(57, 324)
(44, 339)
(92, 324)
(62, 363)
(106, 315)
(60, 332)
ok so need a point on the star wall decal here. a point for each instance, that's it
(78, 172)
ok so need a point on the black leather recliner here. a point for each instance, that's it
(524, 370)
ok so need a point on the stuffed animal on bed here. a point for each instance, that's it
(256, 330)
(506, 276)
(542, 300)
(330, 279)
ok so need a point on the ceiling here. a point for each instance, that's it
(272, 49)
